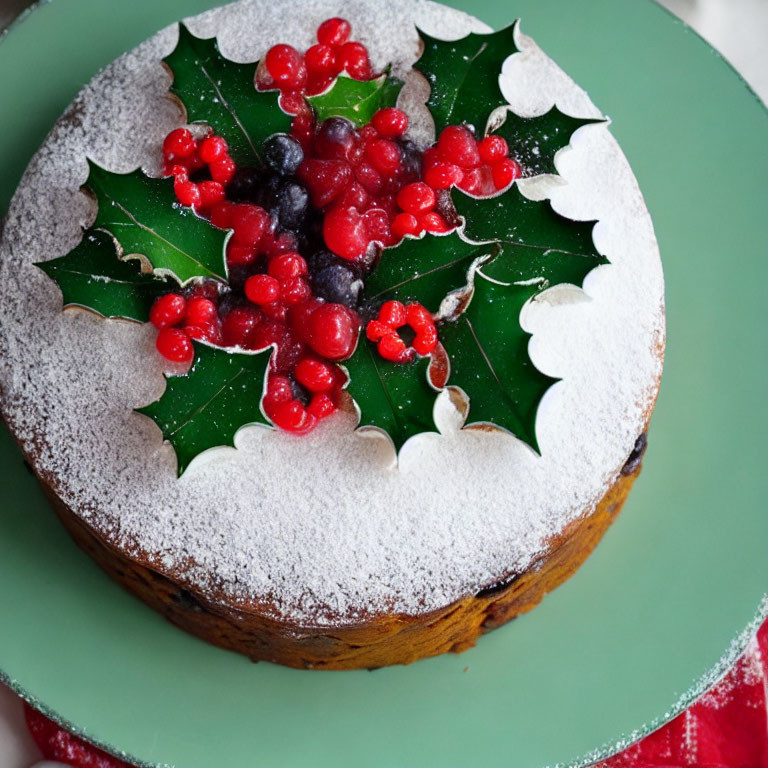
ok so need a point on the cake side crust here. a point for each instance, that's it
(386, 639)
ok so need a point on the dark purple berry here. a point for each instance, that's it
(283, 154)
(245, 185)
(338, 284)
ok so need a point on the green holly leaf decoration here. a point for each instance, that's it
(426, 269)
(464, 76)
(144, 217)
(357, 100)
(93, 276)
(520, 264)
(398, 399)
(513, 218)
(222, 94)
(534, 141)
(488, 351)
(207, 406)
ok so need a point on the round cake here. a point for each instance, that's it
(334, 549)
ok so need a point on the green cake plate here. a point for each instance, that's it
(643, 627)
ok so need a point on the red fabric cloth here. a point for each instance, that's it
(725, 728)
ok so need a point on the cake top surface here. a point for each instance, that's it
(325, 528)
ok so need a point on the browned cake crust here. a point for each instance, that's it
(381, 641)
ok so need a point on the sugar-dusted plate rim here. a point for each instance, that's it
(609, 655)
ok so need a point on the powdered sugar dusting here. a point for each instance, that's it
(322, 526)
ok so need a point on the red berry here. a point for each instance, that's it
(238, 325)
(505, 172)
(478, 181)
(221, 214)
(426, 340)
(392, 348)
(292, 102)
(375, 330)
(286, 66)
(211, 193)
(249, 223)
(223, 170)
(433, 222)
(384, 155)
(369, 178)
(276, 310)
(179, 145)
(418, 317)
(287, 266)
(416, 197)
(321, 61)
(354, 197)
(317, 85)
(443, 175)
(262, 289)
(279, 390)
(314, 374)
(284, 242)
(334, 31)
(179, 172)
(377, 225)
(239, 255)
(200, 311)
(345, 232)
(187, 193)
(210, 332)
(174, 345)
(390, 122)
(321, 405)
(292, 417)
(325, 179)
(392, 314)
(295, 291)
(353, 58)
(332, 331)
(457, 145)
(212, 149)
(405, 224)
(168, 310)
(492, 149)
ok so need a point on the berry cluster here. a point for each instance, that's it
(309, 226)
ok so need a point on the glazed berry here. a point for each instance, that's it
(338, 284)
(210, 332)
(212, 149)
(179, 145)
(291, 204)
(391, 347)
(320, 60)
(331, 331)
(390, 122)
(335, 139)
(168, 310)
(240, 255)
(392, 313)
(292, 417)
(187, 193)
(417, 197)
(286, 67)
(211, 193)
(405, 224)
(376, 222)
(223, 170)
(334, 31)
(174, 345)
(505, 172)
(287, 266)
(325, 179)
(295, 291)
(384, 155)
(314, 374)
(262, 289)
(245, 185)
(200, 311)
(492, 149)
(369, 178)
(443, 175)
(249, 223)
(321, 405)
(418, 317)
(426, 340)
(179, 172)
(238, 326)
(433, 222)
(354, 61)
(344, 233)
(457, 145)
(283, 154)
